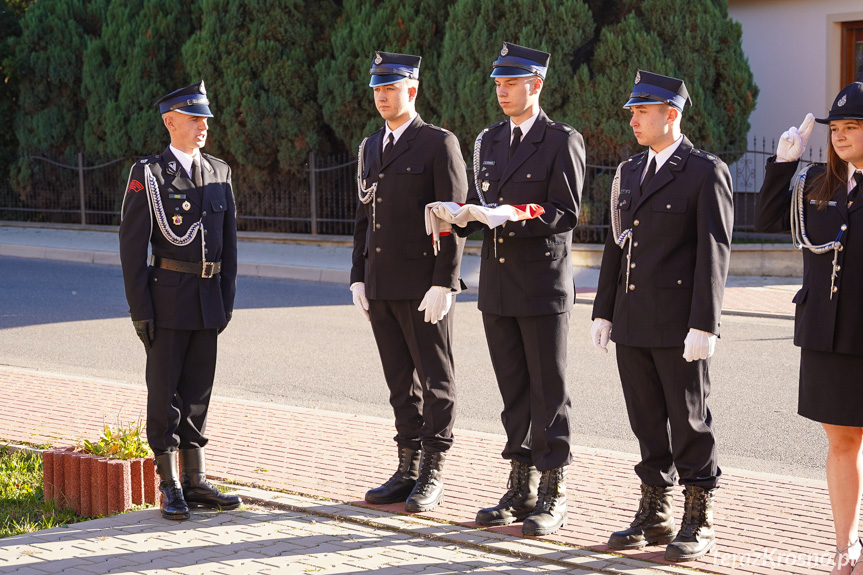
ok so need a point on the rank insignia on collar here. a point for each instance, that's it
(178, 219)
(504, 51)
(841, 102)
(485, 186)
(187, 206)
(172, 168)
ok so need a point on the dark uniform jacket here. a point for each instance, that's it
(393, 254)
(526, 268)
(179, 300)
(681, 242)
(821, 323)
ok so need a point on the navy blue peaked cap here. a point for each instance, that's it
(191, 100)
(653, 88)
(389, 68)
(848, 104)
(516, 61)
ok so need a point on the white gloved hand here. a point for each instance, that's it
(436, 303)
(793, 142)
(600, 331)
(360, 300)
(698, 345)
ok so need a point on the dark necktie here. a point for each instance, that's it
(388, 148)
(855, 191)
(651, 171)
(516, 140)
(196, 173)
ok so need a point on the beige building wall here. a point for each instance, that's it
(793, 47)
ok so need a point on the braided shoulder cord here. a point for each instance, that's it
(619, 237)
(162, 219)
(477, 147)
(798, 220)
(364, 194)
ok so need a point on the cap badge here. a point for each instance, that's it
(504, 51)
(841, 101)
(638, 77)
(203, 90)
(378, 59)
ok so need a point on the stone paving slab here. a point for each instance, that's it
(764, 523)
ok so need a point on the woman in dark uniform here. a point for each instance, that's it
(827, 224)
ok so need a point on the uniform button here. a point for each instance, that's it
(835, 289)
(425, 253)
(635, 244)
(378, 250)
(511, 234)
(206, 250)
(631, 287)
(547, 254)
(155, 279)
(528, 176)
(500, 199)
(500, 240)
(380, 200)
(381, 176)
(408, 170)
(502, 260)
(635, 223)
(667, 206)
(837, 269)
(204, 214)
(680, 283)
(205, 232)
(632, 265)
(377, 226)
(485, 173)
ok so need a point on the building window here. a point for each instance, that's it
(852, 52)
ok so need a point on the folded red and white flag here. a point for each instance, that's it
(440, 216)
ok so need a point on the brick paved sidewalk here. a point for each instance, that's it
(278, 533)
(769, 523)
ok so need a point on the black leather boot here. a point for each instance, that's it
(549, 515)
(196, 489)
(696, 537)
(428, 492)
(173, 505)
(399, 486)
(653, 524)
(519, 500)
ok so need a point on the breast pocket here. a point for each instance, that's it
(530, 185)
(669, 214)
(489, 178)
(673, 299)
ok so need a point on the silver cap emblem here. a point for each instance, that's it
(203, 89)
(841, 101)
(638, 77)
(504, 51)
(378, 59)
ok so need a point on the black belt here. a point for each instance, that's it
(206, 269)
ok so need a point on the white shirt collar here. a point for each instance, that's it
(664, 155)
(184, 159)
(398, 131)
(851, 170)
(524, 126)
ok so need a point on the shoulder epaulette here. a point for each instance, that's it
(561, 126)
(438, 128)
(214, 158)
(706, 156)
(150, 159)
(636, 156)
(493, 126)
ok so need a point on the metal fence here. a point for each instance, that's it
(321, 199)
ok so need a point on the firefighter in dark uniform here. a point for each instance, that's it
(526, 289)
(180, 204)
(825, 204)
(400, 285)
(661, 285)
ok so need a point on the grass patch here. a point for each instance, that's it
(22, 508)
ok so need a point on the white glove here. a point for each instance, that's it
(436, 303)
(600, 331)
(793, 142)
(698, 345)
(360, 300)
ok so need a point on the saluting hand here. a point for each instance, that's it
(600, 331)
(793, 141)
(146, 330)
(698, 345)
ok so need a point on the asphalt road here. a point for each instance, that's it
(303, 344)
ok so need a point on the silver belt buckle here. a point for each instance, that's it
(208, 268)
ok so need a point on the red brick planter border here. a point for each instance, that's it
(94, 486)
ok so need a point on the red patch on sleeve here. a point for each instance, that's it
(135, 186)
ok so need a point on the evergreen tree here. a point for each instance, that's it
(363, 28)
(136, 60)
(11, 12)
(256, 58)
(475, 34)
(49, 119)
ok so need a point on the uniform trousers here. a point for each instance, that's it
(181, 365)
(417, 360)
(666, 398)
(528, 355)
